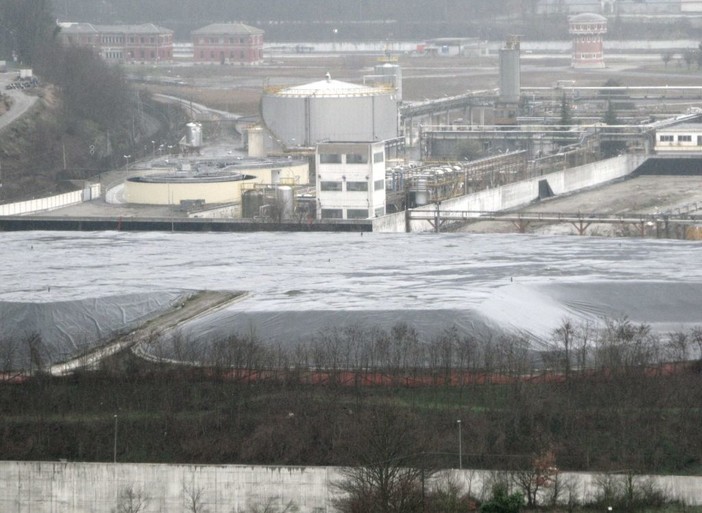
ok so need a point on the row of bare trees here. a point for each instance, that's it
(452, 357)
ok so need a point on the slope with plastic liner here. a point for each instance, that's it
(301, 283)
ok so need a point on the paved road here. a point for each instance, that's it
(21, 101)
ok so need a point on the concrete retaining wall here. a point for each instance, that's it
(41, 204)
(56, 487)
(522, 193)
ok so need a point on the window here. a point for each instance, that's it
(378, 157)
(699, 140)
(330, 186)
(329, 158)
(356, 158)
(332, 213)
(380, 211)
(666, 138)
(684, 138)
(356, 186)
(379, 185)
(357, 213)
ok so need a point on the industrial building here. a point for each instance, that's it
(678, 139)
(350, 180)
(330, 110)
(587, 30)
(228, 43)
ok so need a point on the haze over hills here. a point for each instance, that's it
(315, 20)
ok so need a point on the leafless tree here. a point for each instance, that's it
(132, 500)
(273, 505)
(194, 498)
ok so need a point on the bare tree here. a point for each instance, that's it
(273, 505)
(194, 498)
(132, 500)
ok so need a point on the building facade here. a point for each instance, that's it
(682, 138)
(350, 180)
(228, 43)
(121, 43)
(587, 31)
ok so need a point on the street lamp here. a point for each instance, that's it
(114, 447)
(460, 443)
(127, 157)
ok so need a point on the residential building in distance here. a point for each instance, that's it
(228, 43)
(350, 180)
(121, 43)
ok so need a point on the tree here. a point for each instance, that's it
(131, 500)
(566, 113)
(667, 56)
(391, 471)
(540, 475)
(28, 27)
(610, 117)
(502, 502)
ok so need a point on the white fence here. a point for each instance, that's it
(90, 192)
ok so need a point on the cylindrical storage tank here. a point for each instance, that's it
(193, 134)
(286, 200)
(391, 75)
(330, 110)
(256, 140)
(251, 202)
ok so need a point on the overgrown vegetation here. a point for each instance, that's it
(603, 400)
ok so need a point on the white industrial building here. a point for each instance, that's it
(350, 180)
(682, 138)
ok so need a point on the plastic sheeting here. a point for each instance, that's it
(302, 283)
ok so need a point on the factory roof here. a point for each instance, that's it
(587, 17)
(145, 28)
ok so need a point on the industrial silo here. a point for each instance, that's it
(510, 80)
(389, 75)
(330, 110)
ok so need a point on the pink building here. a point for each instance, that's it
(121, 43)
(587, 30)
(228, 43)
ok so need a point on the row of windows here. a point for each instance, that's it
(350, 158)
(132, 39)
(224, 40)
(351, 186)
(351, 213)
(680, 138)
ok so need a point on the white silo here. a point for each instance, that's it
(390, 75)
(330, 110)
(193, 135)
(256, 142)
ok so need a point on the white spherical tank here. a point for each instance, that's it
(330, 110)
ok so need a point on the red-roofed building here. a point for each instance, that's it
(228, 43)
(121, 43)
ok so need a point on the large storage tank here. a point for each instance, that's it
(330, 110)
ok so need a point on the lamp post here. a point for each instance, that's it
(460, 448)
(114, 447)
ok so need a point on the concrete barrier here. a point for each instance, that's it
(524, 192)
(19, 208)
(68, 487)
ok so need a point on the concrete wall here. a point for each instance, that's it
(522, 193)
(41, 204)
(55, 487)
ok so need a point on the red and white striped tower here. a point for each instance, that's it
(587, 30)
